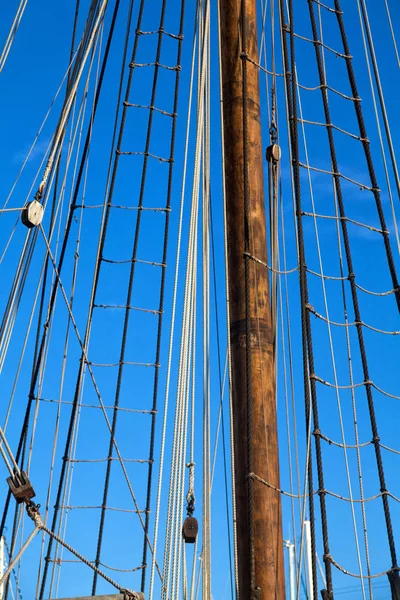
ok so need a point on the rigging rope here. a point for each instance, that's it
(12, 33)
(392, 31)
(291, 93)
(61, 258)
(206, 515)
(331, 344)
(70, 99)
(378, 126)
(72, 294)
(55, 211)
(364, 11)
(323, 86)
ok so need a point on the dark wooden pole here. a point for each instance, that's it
(261, 531)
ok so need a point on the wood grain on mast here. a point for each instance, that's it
(259, 531)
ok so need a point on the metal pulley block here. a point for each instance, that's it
(190, 529)
(32, 214)
(20, 487)
(273, 153)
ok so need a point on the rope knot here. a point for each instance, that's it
(129, 595)
(33, 511)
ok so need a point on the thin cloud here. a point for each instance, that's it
(37, 152)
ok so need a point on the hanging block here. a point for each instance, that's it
(273, 153)
(20, 487)
(32, 214)
(190, 529)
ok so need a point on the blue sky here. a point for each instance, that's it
(32, 75)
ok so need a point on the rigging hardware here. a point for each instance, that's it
(273, 153)
(255, 593)
(32, 214)
(190, 530)
(21, 487)
(190, 525)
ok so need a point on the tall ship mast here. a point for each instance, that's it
(199, 339)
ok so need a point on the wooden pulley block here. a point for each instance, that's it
(32, 214)
(20, 487)
(190, 529)
(273, 153)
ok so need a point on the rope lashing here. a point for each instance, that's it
(190, 497)
(32, 510)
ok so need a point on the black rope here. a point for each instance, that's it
(35, 357)
(133, 265)
(247, 249)
(346, 242)
(162, 291)
(53, 298)
(393, 273)
(34, 234)
(367, 151)
(73, 39)
(375, 69)
(27, 261)
(291, 92)
(104, 233)
(131, 275)
(221, 401)
(31, 396)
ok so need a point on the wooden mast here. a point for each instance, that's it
(259, 531)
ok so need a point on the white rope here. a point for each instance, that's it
(84, 348)
(216, 441)
(75, 140)
(184, 576)
(12, 33)
(42, 370)
(331, 345)
(171, 564)
(303, 505)
(13, 466)
(365, 30)
(392, 31)
(19, 555)
(57, 564)
(29, 153)
(172, 331)
(172, 556)
(70, 98)
(193, 578)
(206, 579)
(354, 408)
